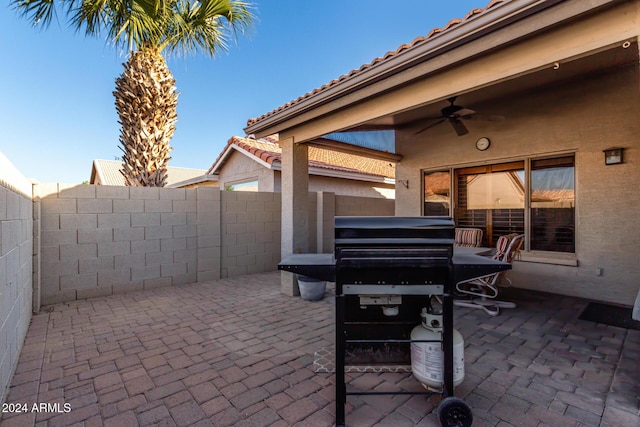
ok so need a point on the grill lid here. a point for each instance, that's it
(394, 231)
(396, 244)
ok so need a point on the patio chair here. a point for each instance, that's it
(468, 237)
(482, 292)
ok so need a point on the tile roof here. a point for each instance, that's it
(417, 41)
(109, 171)
(268, 150)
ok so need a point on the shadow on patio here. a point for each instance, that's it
(237, 352)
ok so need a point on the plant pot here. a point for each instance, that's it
(311, 289)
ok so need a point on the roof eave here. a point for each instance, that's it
(218, 164)
(488, 21)
(99, 174)
(92, 178)
(251, 155)
(215, 168)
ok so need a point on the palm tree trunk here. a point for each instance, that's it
(146, 102)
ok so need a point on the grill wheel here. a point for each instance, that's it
(453, 412)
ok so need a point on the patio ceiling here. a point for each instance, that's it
(483, 98)
(487, 97)
(564, 71)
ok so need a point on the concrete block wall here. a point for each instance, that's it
(327, 205)
(312, 217)
(250, 232)
(209, 241)
(16, 267)
(325, 213)
(101, 240)
(363, 206)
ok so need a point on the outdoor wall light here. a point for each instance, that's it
(613, 156)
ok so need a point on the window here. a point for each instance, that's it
(437, 193)
(242, 186)
(553, 205)
(494, 199)
(491, 198)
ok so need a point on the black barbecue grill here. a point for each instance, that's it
(385, 270)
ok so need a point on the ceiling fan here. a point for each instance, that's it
(455, 114)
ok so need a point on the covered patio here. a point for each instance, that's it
(239, 352)
(516, 92)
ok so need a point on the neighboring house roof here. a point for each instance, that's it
(200, 180)
(378, 61)
(553, 195)
(267, 151)
(107, 172)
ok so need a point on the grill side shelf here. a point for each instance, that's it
(468, 266)
(323, 266)
(318, 266)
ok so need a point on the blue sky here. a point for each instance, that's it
(57, 110)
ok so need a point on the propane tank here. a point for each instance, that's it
(427, 358)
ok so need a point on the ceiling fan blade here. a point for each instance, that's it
(440, 116)
(464, 112)
(459, 127)
(485, 117)
(430, 126)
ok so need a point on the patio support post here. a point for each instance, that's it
(295, 207)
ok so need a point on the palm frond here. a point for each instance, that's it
(189, 32)
(206, 26)
(131, 25)
(187, 26)
(238, 13)
(90, 14)
(38, 12)
(241, 17)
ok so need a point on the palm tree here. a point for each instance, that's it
(146, 101)
(146, 96)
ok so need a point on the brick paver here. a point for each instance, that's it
(236, 352)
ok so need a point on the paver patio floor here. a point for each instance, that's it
(237, 352)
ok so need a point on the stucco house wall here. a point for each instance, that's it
(239, 168)
(585, 117)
